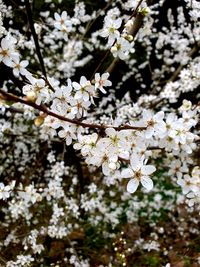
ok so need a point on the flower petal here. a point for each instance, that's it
(132, 185)
(136, 161)
(147, 183)
(148, 169)
(127, 173)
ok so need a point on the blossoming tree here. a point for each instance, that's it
(91, 95)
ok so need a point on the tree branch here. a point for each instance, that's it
(11, 97)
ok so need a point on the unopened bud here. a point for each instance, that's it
(31, 96)
(113, 49)
(38, 121)
(129, 38)
(112, 166)
(129, 24)
(145, 11)
(42, 114)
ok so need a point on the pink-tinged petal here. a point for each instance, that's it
(68, 140)
(62, 134)
(127, 173)
(132, 185)
(147, 183)
(148, 169)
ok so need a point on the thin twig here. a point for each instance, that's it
(35, 37)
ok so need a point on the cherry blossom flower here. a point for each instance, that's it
(5, 191)
(155, 124)
(102, 81)
(110, 29)
(138, 172)
(41, 91)
(7, 52)
(62, 21)
(19, 67)
(68, 133)
(121, 48)
(83, 89)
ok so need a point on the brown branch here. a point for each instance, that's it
(11, 97)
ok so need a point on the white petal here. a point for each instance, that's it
(83, 80)
(105, 76)
(102, 90)
(147, 115)
(148, 169)
(147, 182)
(56, 16)
(97, 77)
(76, 85)
(136, 161)
(127, 173)
(132, 185)
(149, 132)
(110, 131)
(24, 63)
(159, 116)
(64, 15)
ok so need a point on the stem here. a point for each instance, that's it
(35, 37)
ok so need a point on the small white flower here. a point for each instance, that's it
(62, 21)
(139, 173)
(155, 124)
(110, 29)
(84, 88)
(19, 67)
(102, 81)
(121, 48)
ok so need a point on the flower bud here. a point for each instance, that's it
(145, 11)
(129, 38)
(129, 24)
(113, 49)
(38, 121)
(31, 96)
